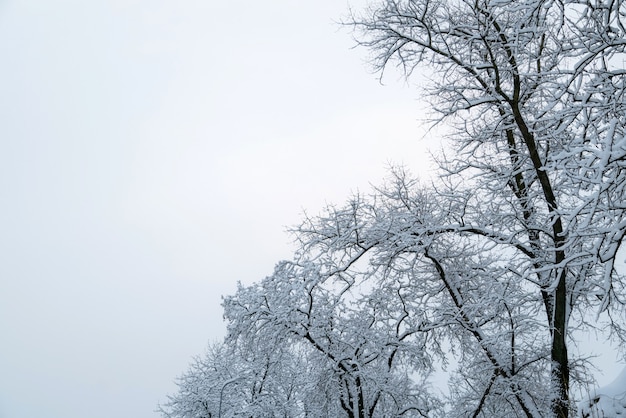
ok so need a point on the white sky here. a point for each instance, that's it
(152, 153)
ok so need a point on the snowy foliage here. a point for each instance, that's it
(500, 260)
(535, 90)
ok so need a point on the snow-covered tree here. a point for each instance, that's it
(493, 266)
(535, 90)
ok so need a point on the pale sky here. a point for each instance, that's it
(152, 154)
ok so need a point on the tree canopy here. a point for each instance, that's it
(493, 266)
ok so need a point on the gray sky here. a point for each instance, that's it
(151, 155)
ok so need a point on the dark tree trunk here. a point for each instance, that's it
(560, 366)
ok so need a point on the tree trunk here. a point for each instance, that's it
(560, 365)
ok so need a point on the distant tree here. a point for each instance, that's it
(496, 264)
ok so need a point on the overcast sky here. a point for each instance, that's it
(152, 154)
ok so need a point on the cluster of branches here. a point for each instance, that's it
(495, 265)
